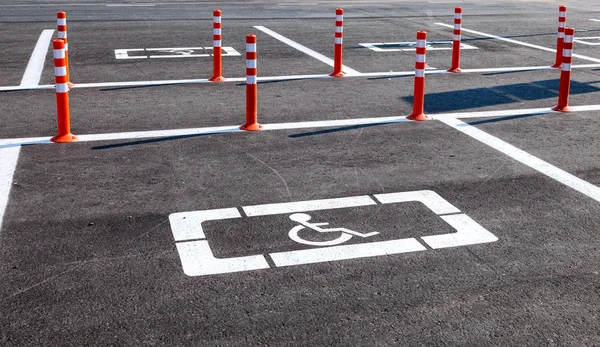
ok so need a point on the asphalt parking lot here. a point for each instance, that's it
(342, 223)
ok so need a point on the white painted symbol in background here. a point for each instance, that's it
(198, 259)
(177, 52)
(303, 219)
(411, 46)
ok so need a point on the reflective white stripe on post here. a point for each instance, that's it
(568, 39)
(217, 31)
(567, 52)
(217, 43)
(250, 79)
(562, 14)
(338, 40)
(421, 43)
(62, 87)
(458, 16)
(61, 21)
(339, 29)
(59, 54)
(250, 64)
(566, 67)
(339, 17)
(456, 26)
(561, 35)
(419, 73)
(62, 34)
(420, 58)
(456, 37)
(250, 47)
(217, 19)
(60, 71)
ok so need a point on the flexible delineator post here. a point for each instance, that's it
(419, 93)
(456, 37)
(560, 39)
(565, 73)
(251, 87)
(62, 93)
(61, 26)
(338, 46)
(217, 60)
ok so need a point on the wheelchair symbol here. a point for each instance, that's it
(303, 218)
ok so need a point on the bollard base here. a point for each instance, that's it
(418, 117)
(562, 109)
(217, 79)
(455, 70)
(251, 127)
(556, 66)
(337, 74)
(64, 138)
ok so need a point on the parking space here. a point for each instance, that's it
(342, 223)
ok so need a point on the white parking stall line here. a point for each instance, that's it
(533, 162)
(33, 72)
(8, 159)
(288, 77)
(6, 143)
(519, 42)
(595, 20)
(305, 49)
(411, 46)
(585, 40)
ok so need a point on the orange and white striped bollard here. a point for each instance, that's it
(251, 87)
(565, 73)
(419, 92)
(560, 38)
(338, 47)
(61, 26)
(62, 93)
(217, 60)
(456, 38)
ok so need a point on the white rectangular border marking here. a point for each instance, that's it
(377, 46)
(305, 206)
(33, 72)
(304, 49)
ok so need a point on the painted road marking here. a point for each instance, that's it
(8, 158)
(305, 49)
(291, 77)
(176, 52)
(33, 72)
(6, 143)
(303, 220)
(519, 42)
(197, 258)
(412, 46)
(533, 162)
(595, 20)
(584, 40)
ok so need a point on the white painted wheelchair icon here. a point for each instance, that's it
(303, 218)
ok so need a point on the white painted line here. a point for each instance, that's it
(535, 163)
(198, 260)
(8, 164)
(188, 225)
(584, 40)
(595, 20)
(519, 42)
(335, 253)
(305, 49)
(468, 232)
(429, 198)
(5, 143)
(306, 206)
(33, 72)
(285, 78)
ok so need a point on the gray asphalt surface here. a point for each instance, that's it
(87, 252)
